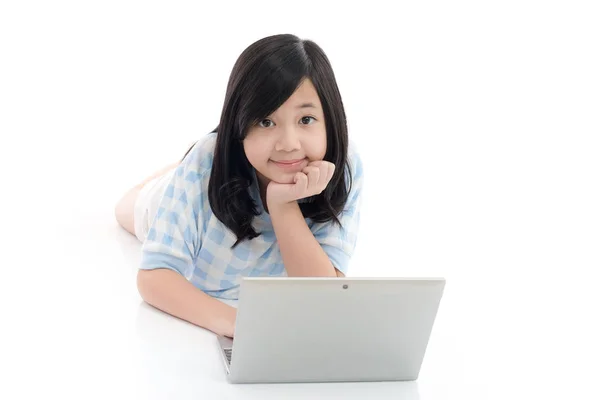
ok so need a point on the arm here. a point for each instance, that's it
(169, 252)
(172, 293)
(325, 248)
(301, 253)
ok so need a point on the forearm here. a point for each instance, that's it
(301, 253)
(172, 293)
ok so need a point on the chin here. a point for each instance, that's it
(283, 179)
(277, 177)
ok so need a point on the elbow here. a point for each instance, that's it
(146, 284)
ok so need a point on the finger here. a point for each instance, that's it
(327, 170)
(310, 168)
(300, 184)
(330, 172)
(323, 176)
(313, 174)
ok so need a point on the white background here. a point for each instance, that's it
(478, 124)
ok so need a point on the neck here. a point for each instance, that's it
(263, 182)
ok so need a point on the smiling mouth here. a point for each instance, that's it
(289, 163)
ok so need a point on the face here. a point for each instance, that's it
(287, 140)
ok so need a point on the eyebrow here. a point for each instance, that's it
(306, 105)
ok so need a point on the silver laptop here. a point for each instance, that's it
(331, 329)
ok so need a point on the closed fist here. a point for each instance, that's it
(312, 180)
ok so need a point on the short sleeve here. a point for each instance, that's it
(173, 238)
(339, 242)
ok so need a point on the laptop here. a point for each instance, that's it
(331, 329)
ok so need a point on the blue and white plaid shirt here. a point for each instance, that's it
(186, 237)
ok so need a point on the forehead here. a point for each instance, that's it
(303, 96)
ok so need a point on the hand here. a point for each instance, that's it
(311, 181)
(230, 329)
(225, 324)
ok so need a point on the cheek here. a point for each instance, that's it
(317, 147)
(255, 152)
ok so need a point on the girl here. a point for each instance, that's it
(274, 190)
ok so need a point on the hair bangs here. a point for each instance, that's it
(275, 80)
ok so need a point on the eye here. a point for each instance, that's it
(309, 118)
(266, 119)
(304, 120)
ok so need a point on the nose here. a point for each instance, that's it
(288, 140)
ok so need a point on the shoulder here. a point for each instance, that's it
(354, 162)
(202, 153)
(198, 163)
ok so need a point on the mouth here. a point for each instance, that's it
(290, 164)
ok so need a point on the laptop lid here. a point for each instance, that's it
(333, 329)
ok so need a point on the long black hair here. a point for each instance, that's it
(264, 76)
